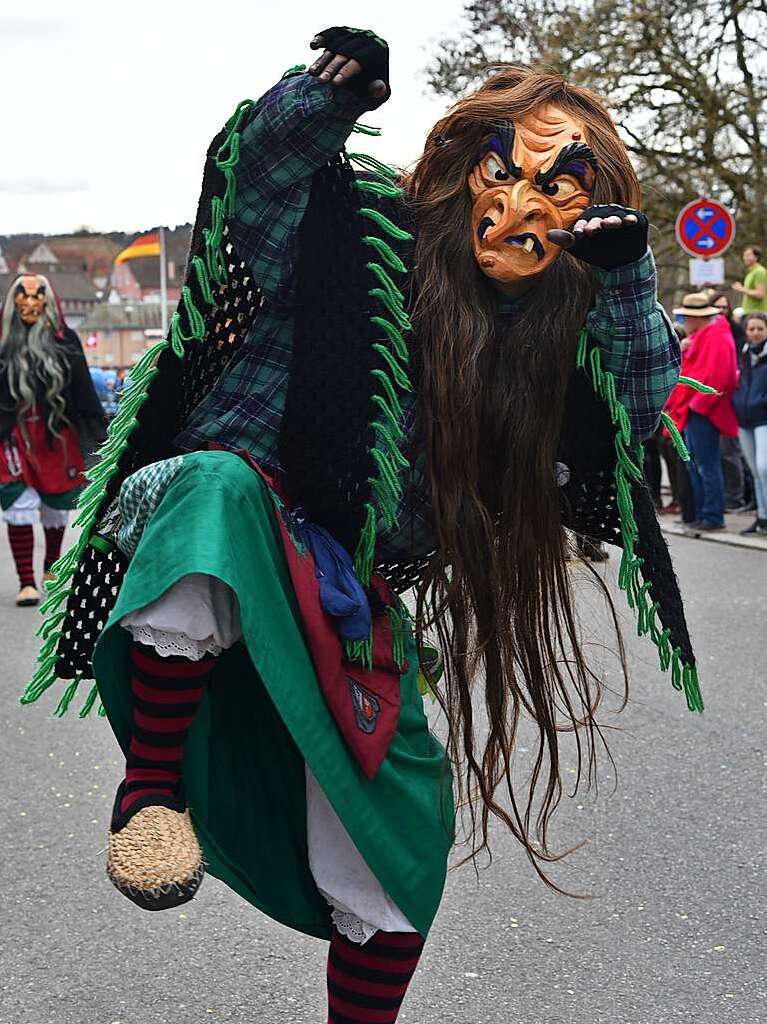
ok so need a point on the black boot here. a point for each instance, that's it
(758, 526)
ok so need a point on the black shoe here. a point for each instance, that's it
(28, 596)
(758, 526)
(705, 527)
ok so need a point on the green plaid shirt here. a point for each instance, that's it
(292, 131)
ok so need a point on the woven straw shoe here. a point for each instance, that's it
(153, 856)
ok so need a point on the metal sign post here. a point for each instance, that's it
(163, 285)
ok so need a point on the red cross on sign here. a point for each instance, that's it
(705, 228)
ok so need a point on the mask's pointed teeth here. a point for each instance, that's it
(529, 244)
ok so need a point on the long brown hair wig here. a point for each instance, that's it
(493, 394)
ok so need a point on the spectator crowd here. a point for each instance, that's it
(725, 432)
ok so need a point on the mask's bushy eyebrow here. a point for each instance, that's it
(500, 140)
(578, 169)
(491, 143)
(575, 159)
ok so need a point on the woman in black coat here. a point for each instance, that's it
(50, 421)
(750, 404)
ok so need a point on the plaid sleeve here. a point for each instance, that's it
(291, 131)
(639, 346)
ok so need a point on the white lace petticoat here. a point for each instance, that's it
(169, 644)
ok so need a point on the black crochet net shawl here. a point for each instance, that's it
(341, 445)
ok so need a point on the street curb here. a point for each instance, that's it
(731, 539)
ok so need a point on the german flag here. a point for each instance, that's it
(144, 245)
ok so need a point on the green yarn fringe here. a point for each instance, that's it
(696, 385)
(399, 620)
(681, 448)
(392, 378)
(210, 270)
(628, 467)
(359, 651)
(366, 129)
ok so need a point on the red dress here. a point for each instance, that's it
(49, 465)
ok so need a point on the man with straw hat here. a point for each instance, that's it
(704, 418)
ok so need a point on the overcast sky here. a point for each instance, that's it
(109, 106)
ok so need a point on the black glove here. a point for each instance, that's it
(610, 246)
(341, 44)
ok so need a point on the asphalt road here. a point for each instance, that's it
(675, 865)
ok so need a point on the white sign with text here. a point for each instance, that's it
(705, 272)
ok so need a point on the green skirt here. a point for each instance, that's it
(263, 716)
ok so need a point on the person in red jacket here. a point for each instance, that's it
(710, 358)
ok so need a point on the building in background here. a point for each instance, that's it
(103, 294)
(90, 254)
(75, 291)
(116, 333)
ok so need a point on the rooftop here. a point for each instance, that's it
(69, 285)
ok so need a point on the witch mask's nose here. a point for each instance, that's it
(514, 211)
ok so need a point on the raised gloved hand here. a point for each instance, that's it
(356, 58)
(606, 236)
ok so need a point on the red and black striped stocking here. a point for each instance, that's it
(366, 984)
(166, 693)
(54, 535)
(22, 541)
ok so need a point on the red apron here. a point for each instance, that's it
(49, 465)
(364, 702)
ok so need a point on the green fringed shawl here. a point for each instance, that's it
(369, 206)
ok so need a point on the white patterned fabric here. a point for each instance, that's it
(140, 494)
(200, 615)
(30, 508)
(177, 645)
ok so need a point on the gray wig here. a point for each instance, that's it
(30, 357)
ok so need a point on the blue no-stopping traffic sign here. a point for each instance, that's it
(705, 228)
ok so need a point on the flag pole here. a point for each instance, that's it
(163, 284)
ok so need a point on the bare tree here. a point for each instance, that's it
(686, 81)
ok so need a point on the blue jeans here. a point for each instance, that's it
(754, 445)
(705, 468)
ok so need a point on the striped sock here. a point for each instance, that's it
(366, 984)
(54, 535)
(22, 541)
(166, 693)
